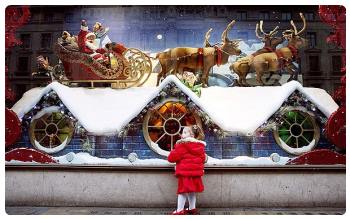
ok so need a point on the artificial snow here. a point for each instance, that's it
(298, 151)
(86, 158)
(245, 161)
(241, 110)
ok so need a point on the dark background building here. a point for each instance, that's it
(141, 26)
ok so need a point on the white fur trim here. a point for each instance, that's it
(93, 54)
(91, 46)
(84, 28)
(90, 34)
(190, 139)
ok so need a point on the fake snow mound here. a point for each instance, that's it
(85, 158)
(244, 161)
(241, 110)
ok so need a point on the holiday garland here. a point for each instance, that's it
(171, 90)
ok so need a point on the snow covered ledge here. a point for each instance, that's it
(115, 186)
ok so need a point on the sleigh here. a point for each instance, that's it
(132, 68)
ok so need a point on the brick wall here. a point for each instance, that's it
(225, 148)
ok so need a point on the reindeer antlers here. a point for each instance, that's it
(224, 34)
(206, 38)
(295, 28)
(271, 33)
(256, 31)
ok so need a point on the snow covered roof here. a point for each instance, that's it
(105, 111)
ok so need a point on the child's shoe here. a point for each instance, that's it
(192, 211)
(183, 212)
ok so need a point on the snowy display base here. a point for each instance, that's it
(241, 110)
(85, 158)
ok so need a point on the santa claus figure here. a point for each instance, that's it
(92, 49)
(86, 43)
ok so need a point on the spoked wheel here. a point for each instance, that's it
(298, 133)
(50, 130)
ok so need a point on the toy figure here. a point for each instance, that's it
(189, 155)
(181, 58)
(68, 40)
(273, 61)
(101, 34)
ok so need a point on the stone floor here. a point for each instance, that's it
(28, 210)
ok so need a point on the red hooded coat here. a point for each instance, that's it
(189, 156)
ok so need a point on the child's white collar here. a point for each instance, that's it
(191, 139)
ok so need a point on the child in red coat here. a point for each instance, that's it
(189, 155)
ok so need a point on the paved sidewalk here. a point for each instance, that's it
(27, 210)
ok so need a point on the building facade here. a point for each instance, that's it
(155, 28)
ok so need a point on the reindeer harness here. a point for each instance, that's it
(265, 49)
(218, 57)
(285, 61)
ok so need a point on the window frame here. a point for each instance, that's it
(41, 41)
(154, 146)
(316, 135)
(29, 43)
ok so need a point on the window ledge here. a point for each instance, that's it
(312, 50)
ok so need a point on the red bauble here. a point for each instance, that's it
(335, 128)
(319, 157)
(12, 127)
(28, 155)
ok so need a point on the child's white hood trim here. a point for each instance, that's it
(190, 139)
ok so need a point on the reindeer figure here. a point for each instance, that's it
(274, 61)
(270, 41)
(203, 59)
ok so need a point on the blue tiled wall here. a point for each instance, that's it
(225, 148)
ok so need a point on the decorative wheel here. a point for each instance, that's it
(140, 65)
(50, 130)
(163, 125)
(298, 133)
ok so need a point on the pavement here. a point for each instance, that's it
(29, 210)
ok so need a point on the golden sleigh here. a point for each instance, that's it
(132, 68)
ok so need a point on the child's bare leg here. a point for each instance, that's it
(181, 201)
(192, 200)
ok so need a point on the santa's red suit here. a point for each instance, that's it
(88, 47)
(189, 155)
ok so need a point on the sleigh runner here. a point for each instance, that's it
(131, 68)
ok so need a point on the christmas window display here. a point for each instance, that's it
(98, 110)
